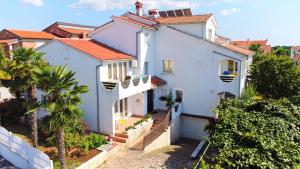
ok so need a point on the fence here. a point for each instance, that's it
(21, 154)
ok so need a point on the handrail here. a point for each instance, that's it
(158, 130)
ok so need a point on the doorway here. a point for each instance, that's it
(150, 101)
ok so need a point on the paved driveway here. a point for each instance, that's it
(4, 164)
(172, 157)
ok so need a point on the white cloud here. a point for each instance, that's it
(101, 5)
(37, 3)
(231, 11)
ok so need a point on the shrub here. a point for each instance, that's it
(251, 134)
(276, 76)
(96, 140)
(250, 92)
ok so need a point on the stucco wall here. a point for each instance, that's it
(85, 68)
(120, 35)
(193, 128)
(196, 70)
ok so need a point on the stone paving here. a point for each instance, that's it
(172, 157)
(4, 164)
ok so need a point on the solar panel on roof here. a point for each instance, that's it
(187, 12)
(171, 13)
(179, 12)
(163, 14)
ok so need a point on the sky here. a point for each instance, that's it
(275, 20)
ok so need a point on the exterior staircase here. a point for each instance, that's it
(159, 126)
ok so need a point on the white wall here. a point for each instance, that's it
(119, 35)
(197, 29)
(193, 128)
(196, 69)
(85, 68)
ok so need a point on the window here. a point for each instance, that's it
(210, 34)
(109, 72)
(120, 72)
(115, 76)
(146, 69)
(125, 69)
(168, 66)
(178, 96)
(146, 36)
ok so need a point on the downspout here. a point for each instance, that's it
(98, 100)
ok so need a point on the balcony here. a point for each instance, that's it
(129, 87)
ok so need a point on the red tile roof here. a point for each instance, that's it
(134, 22)
(249, 42)
(76, 31)
(238, 49)
(184, 19)
(96, 49)
(156, 81)
(246, 44)
(30, 34)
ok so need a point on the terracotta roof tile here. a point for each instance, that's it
(134, 22)
(249, 42)
(156, 81)
(184, 19)
(76, 31)
(238, 49)
(96, 49)
(30, 34)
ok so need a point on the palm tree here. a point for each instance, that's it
(62, 96)
(4, 64)
(24, 64)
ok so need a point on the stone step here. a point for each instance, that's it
(119, 139)
(122, 135)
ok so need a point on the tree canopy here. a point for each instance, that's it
(251, 134)
(276, 76)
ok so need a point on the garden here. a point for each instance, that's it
(61, 133)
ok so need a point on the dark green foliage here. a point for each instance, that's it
(276, 76)
(170, 101)
(96, 140)
(281, 50)
(256, 48)
(252, 134)
(11, 110)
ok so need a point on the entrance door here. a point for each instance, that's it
(150, 100)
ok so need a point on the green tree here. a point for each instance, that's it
(62, 96)
(282, 51)
(276, 76)
(24, 64)
(250, 134)
(256, 48)
(4, 62)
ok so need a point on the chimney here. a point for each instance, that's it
(139, 8)
(84, 35)
(153, 13)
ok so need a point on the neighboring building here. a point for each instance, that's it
(246, 44)
(11, 39)
(295, 54)
(70, 30)
(134, 61)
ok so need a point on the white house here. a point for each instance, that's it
(133, 62)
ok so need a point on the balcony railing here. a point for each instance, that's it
(134, 85)
(227, 78)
